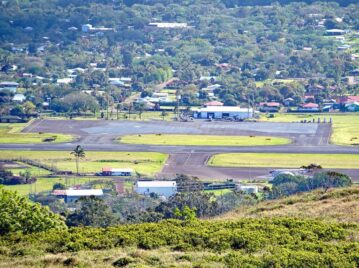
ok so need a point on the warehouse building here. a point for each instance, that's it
(223, 112)
(162, 188)
(107, 171)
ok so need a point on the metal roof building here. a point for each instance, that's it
(220, 112)
(162, 188)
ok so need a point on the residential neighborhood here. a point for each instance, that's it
(151, 133)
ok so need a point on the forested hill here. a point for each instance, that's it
(265, 53)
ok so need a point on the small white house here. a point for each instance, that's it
(65, 81)
(168, 25)
(73, 195)
(19, 98)
(162, 188)
(86, 28)
(10, 86)
(116, 82)
(249, 189)
(220, 112)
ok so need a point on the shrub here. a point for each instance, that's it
(19, 214)
(124, 261)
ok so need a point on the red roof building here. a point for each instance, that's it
(348, 99)
(309, 105)
(213, 103)
(269, 104)
(269, 107)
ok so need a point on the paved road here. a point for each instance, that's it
(194, 164)
(98, 135)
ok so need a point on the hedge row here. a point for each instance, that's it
(281, 236)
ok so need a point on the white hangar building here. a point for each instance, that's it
(220, 112)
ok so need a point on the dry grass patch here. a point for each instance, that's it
(340, 205)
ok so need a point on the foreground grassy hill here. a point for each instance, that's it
(317, 229)
(340, 205)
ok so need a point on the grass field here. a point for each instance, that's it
(35, 171)
(46, 184)
(143, 163)
(11, 133)
(205, 140)
(284, 160)
(345, 126)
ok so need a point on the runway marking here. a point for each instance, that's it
(34, 125)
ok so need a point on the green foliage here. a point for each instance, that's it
(186, 214)
(91, 211)
(59, 186)
(285, 184)
(18, 214)
(277, 242)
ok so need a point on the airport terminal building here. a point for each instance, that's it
(222, 112)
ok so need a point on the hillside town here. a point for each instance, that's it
(148, 133)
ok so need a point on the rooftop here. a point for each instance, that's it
(117, 169)
(168, 24)
(214, 103)
(86, 192)
(7, 83)
(310, 105)
(149, 184)
(270, 104)
(224, 109)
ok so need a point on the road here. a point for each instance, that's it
(100, 135)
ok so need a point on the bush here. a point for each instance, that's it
(19, 214)
(124, 261)
(264, 242)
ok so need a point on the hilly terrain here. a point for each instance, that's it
(314, 229)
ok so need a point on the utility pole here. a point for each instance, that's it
(178, 98)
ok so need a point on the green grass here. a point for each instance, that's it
(345, 126)
(271, 81)
(219, 192)
(285, 160)
(11, 133)
(35, 171)
(202, 140)
(144, 163)
(46, 184)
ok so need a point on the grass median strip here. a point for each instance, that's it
(345, 126)
(11, 133)
(202, 140)
(280, 160)
(142, 162)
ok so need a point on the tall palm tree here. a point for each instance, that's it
(78, 152)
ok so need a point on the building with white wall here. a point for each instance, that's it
(248, 189)
(73, 195)
(162, 188)
(221, 112)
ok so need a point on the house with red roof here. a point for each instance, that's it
(308, 107)
(269, 107)
(213, 103)
(348, 99)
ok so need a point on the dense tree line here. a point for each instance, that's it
(285, 184)
(8, 178)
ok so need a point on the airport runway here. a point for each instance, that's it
(100, 135)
